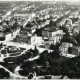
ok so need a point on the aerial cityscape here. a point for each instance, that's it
(39, 40)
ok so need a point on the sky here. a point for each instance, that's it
(72, 1)
(42, 0)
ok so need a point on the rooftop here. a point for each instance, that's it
(52, 29)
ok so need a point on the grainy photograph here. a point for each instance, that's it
(40, 39)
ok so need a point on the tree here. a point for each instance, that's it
(24, 72)
(55, 47)
(44, 55)
(55, 54)
(52, 46)
(4, 74)
(30, 76)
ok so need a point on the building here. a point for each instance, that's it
(20, 15)
(64, 50)
(30, 39)
(55, 39)
(52, 36)
(64, 47)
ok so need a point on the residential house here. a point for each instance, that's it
(24, 39)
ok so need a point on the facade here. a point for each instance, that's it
(30, 28)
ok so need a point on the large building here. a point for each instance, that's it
(50, 32)
(52, 36)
